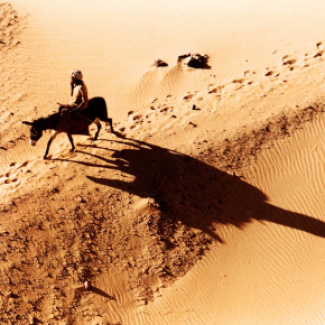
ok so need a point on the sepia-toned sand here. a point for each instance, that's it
(206, 206)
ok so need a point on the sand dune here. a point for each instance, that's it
(204, 207)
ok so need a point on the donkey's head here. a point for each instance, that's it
(36, 131)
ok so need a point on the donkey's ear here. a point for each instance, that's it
(26, 122)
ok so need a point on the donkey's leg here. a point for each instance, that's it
(71, 141)
(110, 121)
(54, 133)
(99, 126)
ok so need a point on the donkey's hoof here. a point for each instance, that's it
(45, 157)
(72, 150)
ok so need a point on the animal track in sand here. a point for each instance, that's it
(288, 61)
(319, 44)
(213, 89)
(150, 115)
(189, 97)
(238, 81)
(24, 164)
(269, 73)
(137, 117)
(9, 178)
(319, 53)
(8, 181)
(272, 73)
(249, 72)
(133, 126)
(166, 109)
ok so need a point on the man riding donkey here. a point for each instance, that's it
(72, 118)
(77, 107)
(78, 91)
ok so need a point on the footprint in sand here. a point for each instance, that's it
(24, 164)
(319, 53)
(189, 97)
(288, 61)
(137, 117)
(9, 180)
(319, 44)
(166, 109)
(272, 73)
(238, 81)
(150, 115)
(214, 89)
(249, 72)
(134, 116)
(133, 126)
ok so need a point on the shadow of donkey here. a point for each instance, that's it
(195, 193)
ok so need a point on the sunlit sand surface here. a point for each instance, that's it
(206, 205)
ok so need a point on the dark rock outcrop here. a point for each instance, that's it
(160, 63)
(197, 61)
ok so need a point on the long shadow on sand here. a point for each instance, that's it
(197, 194)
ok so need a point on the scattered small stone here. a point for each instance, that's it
(81, 199)
(197, 61)
(87, 285)
(194, 108)
(160, 63)
(183, 56)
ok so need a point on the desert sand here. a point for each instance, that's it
(206, 206)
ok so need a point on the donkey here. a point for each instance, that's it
(71, 123)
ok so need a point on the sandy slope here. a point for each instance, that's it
(204, 214)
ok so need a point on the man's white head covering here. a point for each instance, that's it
(77, 74)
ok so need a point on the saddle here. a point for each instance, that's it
(73, 123)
